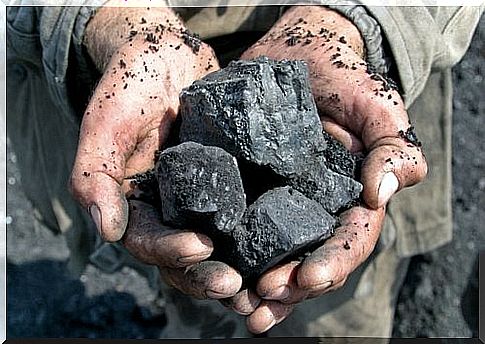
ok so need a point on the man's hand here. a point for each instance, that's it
(146, 57)
(366, 113)
(179, 254)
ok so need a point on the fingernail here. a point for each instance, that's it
(388, 187)
(194, 258)
(204, 239)
(96, 216)
(215, 295)
(321, 286)
(280, 293)
(271, 324)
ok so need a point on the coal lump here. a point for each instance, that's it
(262, 111)
(281, 222)
(334, 191)
(259, 110)
(200, 187)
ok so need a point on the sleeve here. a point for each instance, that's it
(423, 39)
(55, 37)
(370, 31)
(61, 30)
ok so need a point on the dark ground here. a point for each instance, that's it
(440, 297)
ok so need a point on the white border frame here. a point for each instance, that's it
(133, 3)
(3, 174)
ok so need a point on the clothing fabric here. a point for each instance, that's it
(50, 77)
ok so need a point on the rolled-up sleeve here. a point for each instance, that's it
(61, 32)
(425, 38)
(54, 35)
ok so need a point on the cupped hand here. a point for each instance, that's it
(128, 119)
(130, 115)
(360, 108)
(366, 113)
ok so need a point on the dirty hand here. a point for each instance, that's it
(364, 112)
(146, 58)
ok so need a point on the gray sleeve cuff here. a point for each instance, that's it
(84, 66)
(61, 32)
(370, 30)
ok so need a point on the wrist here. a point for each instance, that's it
(150, 45)
(147, 72)
(376, 54)
(332, 25)
(345, 30)
(113, 27)
(174, 58)
(308, 33)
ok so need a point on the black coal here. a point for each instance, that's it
(254, 169)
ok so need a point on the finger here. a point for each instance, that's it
(204, 280)
(267, 315)
(244, 302)
(280, 284)
(102, 196)
(328, 267)
(318, 292)
(107, 140)
(100, 167)
(148, 240)
(343, 135)
(391, 165)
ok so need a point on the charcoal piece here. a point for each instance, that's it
(334, 191)
(200, 187)
(281, 223)
(339, 159)
(147, 185)
(260, 110)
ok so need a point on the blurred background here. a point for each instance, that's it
(3, 175)
(439, 298)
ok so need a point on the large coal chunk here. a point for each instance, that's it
(282, 222)
(259, 110)
(334, 191)
(200, 187)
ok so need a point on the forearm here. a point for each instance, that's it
(324, 24)
(145, 48)
(113, 27)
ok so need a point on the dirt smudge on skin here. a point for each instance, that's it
(410, 136)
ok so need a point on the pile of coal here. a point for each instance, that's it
(254, 168)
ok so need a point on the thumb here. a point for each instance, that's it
(391, 165)
(114, 143)
(102, 196)
(96, 182)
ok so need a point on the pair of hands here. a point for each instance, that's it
(129, 118)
